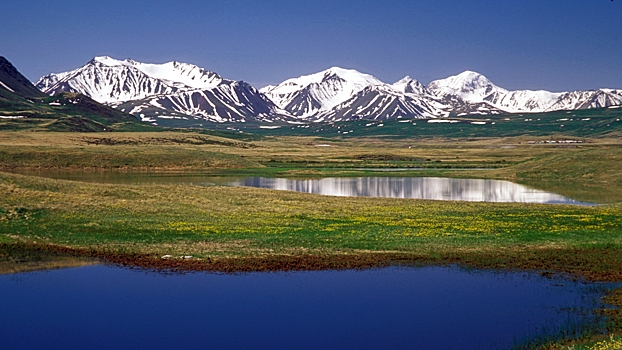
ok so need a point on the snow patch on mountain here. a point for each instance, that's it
(5, 86)
(228, 102)
(380, 102)
(527, 101)
(588, 99)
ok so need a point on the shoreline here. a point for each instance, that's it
(611, 300)
(569, 262)
(552, 266)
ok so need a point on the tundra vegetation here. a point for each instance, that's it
(247, 229)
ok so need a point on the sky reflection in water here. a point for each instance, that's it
(431, 307)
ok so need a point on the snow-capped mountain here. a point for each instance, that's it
(144, 89)
(160, 92)
(319, 92)
(107, 80)
(346, 94)
(527, 101)
(476, 88)
(468, 85)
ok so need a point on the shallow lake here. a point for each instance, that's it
(435, 188)
(108, 307)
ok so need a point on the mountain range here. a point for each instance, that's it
(158, 93)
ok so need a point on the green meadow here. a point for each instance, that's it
(247, 229)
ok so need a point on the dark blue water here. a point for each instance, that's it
(105, 307)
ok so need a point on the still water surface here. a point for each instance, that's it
(450, 189)
(436, 188)
(399, 307)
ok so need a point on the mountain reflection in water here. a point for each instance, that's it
(436, 188)
(472, 190)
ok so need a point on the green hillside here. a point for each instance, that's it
(580, 123)
(22, 106)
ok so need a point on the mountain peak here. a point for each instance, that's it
(341, 71)
(111, 62)
(473, 87)
(470, 73)
(470, 85)
(308, 94)
(336, 69)
(469, 79)
(409, 85)
(404, 80)
(352, 75)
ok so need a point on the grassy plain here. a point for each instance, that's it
(242, 229)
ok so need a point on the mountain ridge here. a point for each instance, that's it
(174, 90)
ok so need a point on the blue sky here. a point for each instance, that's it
(555, 45)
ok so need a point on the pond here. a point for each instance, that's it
(434, 188)
(105, 307)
